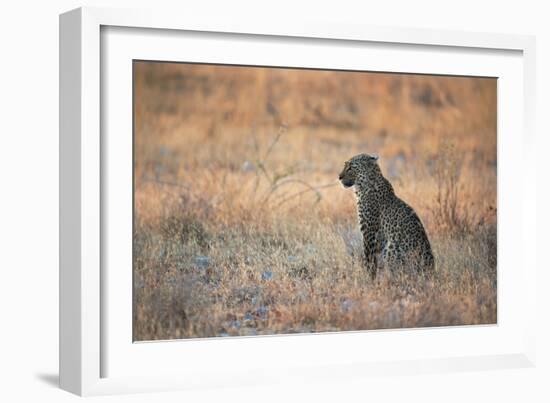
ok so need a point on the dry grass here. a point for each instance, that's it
(241, 227)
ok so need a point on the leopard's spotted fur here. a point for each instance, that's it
(391, 229)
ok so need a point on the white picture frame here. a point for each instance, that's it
(97, 357)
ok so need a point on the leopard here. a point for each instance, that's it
(393, 234)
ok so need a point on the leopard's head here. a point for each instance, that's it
(359, 165)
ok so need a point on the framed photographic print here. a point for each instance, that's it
(237, 197)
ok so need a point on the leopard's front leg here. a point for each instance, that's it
(371, 258)
(370, 225)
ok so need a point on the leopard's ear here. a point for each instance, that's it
(375, 157)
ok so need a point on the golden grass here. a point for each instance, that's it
(241, 227)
